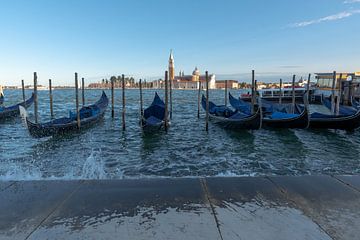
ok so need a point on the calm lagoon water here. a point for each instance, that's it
(187, 150)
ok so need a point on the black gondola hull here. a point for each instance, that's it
(14, 111)
(52, 128)
(301, 121)
(348, 123)
(252, 122)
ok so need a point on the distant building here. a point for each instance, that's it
(231, 84)
(192, 81)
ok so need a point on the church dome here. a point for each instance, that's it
(196, 72)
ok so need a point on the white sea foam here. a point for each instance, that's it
(94, 167)
(14, 171)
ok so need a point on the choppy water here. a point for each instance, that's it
(105, 151)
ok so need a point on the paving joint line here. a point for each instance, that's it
(56, 208)
(345, 183)
(287, 197)
(11, 184)
(207, 194)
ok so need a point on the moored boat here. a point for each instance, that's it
(230, 119)
(274, 116)
(13, 111)
(89, 115)
(154, 116)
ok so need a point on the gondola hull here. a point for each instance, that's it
(348, 123)
(13, 111)
(153, 116)
(228, 119)
(301, 121)
(66, 125)
(252, 122)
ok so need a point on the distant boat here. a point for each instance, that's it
(274, 117)
(13, 111)
(89, 115)
(229, 119)
(154, 115)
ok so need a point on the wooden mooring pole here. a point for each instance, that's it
(253, 94)
(141, 104)
(170, 91)
(333, 93)
(226, 92)
(35, 98)
(293, 95)
(23, 90)
(199, 99)
(166, 102)
(112, 98)
(308, 88)
(207, 101)
(280, 92)
(77, 100)
(83, 91)
(338, 98)
(51, 100)
(123, 101)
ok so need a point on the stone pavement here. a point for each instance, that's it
(306, 207)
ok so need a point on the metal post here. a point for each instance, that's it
(293, 95)
(280, 92)
(77, 100)
(253, 91)
(199, 99)
(166, 102)
(51, 100)
(35, 98)
(83, 91)
(123, 101)
(23, 89)
(207, 101)
(333, 93)
(112, 98)
(226, 92)
(141, 104)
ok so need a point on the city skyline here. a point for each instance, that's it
(99, 39)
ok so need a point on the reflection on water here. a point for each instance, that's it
(105, 151)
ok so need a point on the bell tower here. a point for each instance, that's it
(171, 67)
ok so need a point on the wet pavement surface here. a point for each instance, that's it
(307, 207)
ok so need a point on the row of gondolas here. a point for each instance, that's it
(241, 115)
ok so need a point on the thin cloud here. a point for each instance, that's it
(330, 18)
(351, 1)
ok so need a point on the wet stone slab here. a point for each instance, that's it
(333, 205)
(24, 205)
(254, 208)
(5, 185)
(133, 209)
(309, 207)
(353, 181)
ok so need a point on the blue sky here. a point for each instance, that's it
(229, 38)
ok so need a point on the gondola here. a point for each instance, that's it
(229, 119)
(274, 116)
(349, 121)
(13, 111)
(89, 115)
(154, 115)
